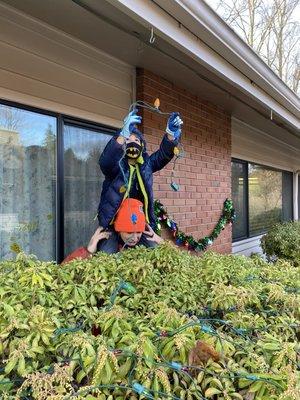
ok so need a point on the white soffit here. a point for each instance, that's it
(169, 19)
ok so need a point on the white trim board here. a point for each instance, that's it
(247, 246)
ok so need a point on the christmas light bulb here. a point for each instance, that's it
(157, 103)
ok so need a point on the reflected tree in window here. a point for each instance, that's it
(27, 183)
(82, 183)
(238, 184)
(265, 198)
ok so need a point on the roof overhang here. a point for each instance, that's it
(209, 27)
(198, 32)
(193, 48)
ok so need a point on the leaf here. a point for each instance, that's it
(168, 347)
(115, 330)
(124, 368)
(6, 384)
(8, 309)
(210, 392)
(255, 386)
(215, 382)
(147, 349)
(271, 346)
(200, 377)
(40, 281)
(38, 349)
(10, 365)
(81, 374)
(21, 366)
(244, 383)
(45, 339)
(155, 385)
(108, 372)
(236, 395)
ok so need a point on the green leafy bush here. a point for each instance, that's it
(149, 324)
(283, 241)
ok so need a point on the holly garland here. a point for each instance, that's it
(181, 239)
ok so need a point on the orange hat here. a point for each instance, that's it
(130, 217)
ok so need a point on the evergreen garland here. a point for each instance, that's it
(227, 216)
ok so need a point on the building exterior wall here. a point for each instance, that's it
(260, 147)
(43, 67)
(204, 174)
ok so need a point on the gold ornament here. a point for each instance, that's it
(176, 151)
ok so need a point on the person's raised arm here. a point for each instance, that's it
(152, 236)
(95, 239)
(160, 158)
(85, 252)
(114, 150)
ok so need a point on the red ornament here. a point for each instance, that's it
(117, 352)
(163, 334)
(96, 330)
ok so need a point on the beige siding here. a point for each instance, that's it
(260, 147)
(49, 69)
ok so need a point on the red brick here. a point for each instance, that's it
(204, 174)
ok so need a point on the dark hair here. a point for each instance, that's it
(140, 136)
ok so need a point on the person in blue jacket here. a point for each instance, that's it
(128, 168)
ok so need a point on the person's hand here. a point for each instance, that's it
(97, 236)
(151, 235)
(130, 120)
(173, 128)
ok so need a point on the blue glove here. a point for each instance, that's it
(130, 120)
(174, 125)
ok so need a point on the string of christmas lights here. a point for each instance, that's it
(204, 325)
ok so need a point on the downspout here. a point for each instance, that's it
(295, 195)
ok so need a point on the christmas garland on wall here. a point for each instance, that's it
(181, 239)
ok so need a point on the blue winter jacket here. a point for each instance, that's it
(112, 193)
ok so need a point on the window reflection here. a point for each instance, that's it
(27, 183)
(265, 198)
(239, 199)
(82, 183)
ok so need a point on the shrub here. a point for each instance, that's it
(283, 241)
(149, 324)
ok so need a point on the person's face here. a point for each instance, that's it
(131, 238)
(133, 138)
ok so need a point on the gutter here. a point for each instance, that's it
(206, 24)
(165, 17)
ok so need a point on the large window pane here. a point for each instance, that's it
(287, 196)
(239, 193)
(82, 183)
(27, 183)
(265, 198)
(299, 197)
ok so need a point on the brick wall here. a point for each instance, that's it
(204, 174)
